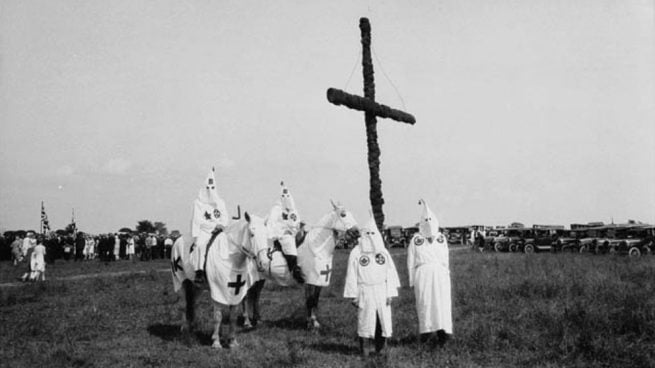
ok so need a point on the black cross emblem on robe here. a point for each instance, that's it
(236, 284)
(175, 265)
(326, 272)
(208, 216)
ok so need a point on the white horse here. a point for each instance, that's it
(230, 273)
(314, 258)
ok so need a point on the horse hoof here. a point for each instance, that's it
(217, 344)
(232, 344)
(247, 325)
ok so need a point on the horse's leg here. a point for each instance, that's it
(257, 292)
(190, 307)
(317, 294)
(218, 319)
(249, 305)
(312, 293)
(231, 321)
(246, 309)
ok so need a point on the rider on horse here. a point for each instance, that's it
(210, 217)
(283, 224)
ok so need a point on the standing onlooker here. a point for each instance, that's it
(80, 243)
(117, 247)
(122, 253)
(140, 246)
(150, 243)
(93, 247)
(168, 245)
(479, 240)
(68, 248)
(16, 249)
(52, 248)
(130, 248)
(159, 247)
(429, 274)
(28, 257)
(37, 262)
(106, 247)
(28, 243)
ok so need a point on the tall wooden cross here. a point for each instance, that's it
(371, 110)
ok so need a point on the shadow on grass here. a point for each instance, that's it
(174, 333)
(402, 341)
(334, 347)
(292, 322)
(296, 320)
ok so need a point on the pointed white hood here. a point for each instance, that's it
(209, 196)
(371, 239)
(286, 200)
(429, 225)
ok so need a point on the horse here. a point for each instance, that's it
(315, 261)
(230, 273)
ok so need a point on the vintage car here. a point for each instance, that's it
(542, 238)
(394, 237)
(511, 239)
(409, 232)
(634, 240)
(567, 241)
(489, 240)
(597, 240)
(459, 235)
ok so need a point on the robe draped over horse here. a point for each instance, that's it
(230, 272)
(314, 258)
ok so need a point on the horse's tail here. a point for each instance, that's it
(190, 299)
(179, 263)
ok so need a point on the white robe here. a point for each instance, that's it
(130, 247)
(429, 274)
(180, 263)
(37, 263)
(27, 244)
(316, 262)
(220, 270)
(371, 279)
(205, 218)
(229, 273)
(283, 226)
(117, 247)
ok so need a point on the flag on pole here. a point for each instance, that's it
(45, 225)
(73, 225)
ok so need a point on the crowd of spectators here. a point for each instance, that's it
(81, 247)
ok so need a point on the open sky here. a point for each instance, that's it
(538, 111)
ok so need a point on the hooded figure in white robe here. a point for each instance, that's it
(283, 223)
(371, 281)
(210, 217)
(429, 275)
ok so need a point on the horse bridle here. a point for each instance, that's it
(242, 249)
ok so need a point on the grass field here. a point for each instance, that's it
(510, 310)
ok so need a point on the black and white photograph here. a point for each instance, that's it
(431, 183)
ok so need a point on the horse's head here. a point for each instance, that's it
(257, 234)
(344, 221)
